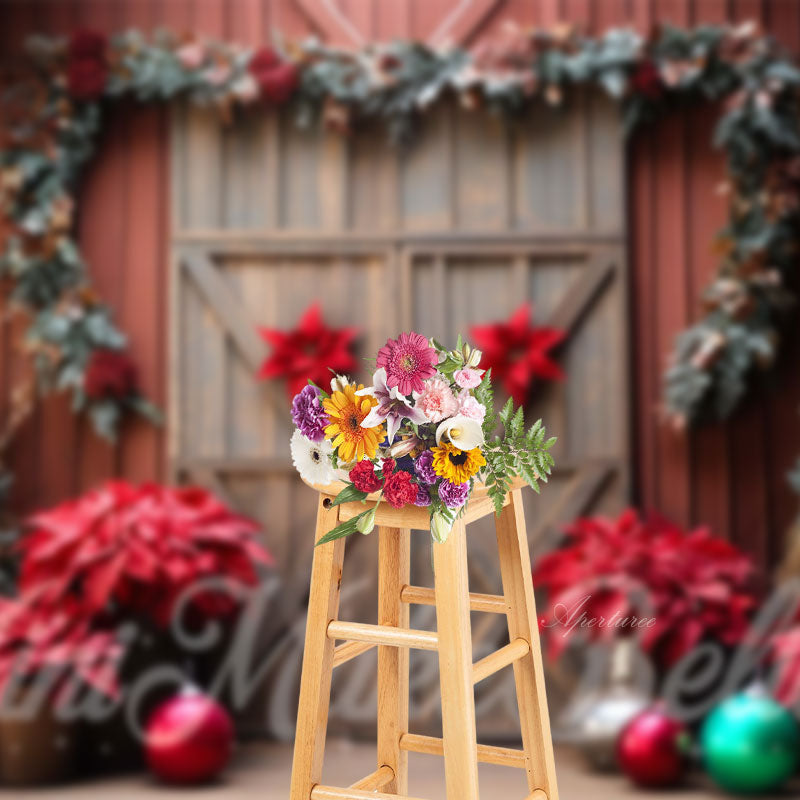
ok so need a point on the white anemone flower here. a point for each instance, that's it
(463, 432)
(312, 459)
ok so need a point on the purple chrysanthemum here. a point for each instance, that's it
(453, 495)
(423, 466)
(423, 497)
(308, 414)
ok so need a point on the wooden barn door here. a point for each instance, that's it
(475, 219)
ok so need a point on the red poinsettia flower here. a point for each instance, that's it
(110, 374)
(277, 79)
(693, 585)
(309, 351)
(87, 67)
(518, 352)
(126, 548)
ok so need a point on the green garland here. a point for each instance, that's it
(54, 117)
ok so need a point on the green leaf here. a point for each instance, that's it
(343, 529)
(348, 495)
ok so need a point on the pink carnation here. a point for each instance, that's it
(409, 360)
(469, 407)
(437, 400)
(468, 378)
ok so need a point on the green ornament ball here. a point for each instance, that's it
(751, 744)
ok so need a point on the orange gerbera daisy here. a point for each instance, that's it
(346, 412)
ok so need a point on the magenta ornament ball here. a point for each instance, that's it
(653, 749)
(188, 738)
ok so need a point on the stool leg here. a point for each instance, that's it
(315, 680)
(515, 568)
(394, 572)
(455, 665)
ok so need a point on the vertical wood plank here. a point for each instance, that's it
(394, 572)
(672, 309)
(515, 569)
(315, 679)
(455, 665)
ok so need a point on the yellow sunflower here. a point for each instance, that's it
(346, 412)
(456, 466)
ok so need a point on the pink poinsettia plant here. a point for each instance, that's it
(422, 433)
(116, 553)
(645, 576)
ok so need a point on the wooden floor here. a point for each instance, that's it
(262, 771)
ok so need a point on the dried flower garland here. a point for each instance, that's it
(53, 119)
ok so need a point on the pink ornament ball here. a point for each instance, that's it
(652, 749)
(188, 738)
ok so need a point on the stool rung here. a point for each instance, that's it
(334, 793)
(349, 650)
(537, 794)
(383, 634)
(487, 754)
(376, 780)
(494, 662)
(419, 595)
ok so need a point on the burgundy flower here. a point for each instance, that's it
(646, 80)
(87, 44)
(276, 78)
(87, 67)
(110, 374)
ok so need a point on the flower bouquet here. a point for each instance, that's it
(423, 433)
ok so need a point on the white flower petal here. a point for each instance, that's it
(463, 432)
(311, 459)
(373, 419)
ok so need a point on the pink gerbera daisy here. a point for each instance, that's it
(408, 360)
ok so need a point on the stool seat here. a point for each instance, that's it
(413, 517)
(452, 640)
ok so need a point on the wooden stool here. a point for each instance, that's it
(453, 641)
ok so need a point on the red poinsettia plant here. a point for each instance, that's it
(645, 576)
(56, 645)
(135, 549)
(116, 553)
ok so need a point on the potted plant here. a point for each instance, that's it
(125, 554)
(48, 657)
(644, 575)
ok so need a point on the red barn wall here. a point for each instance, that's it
(730, 476)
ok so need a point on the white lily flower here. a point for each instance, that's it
(463, 432)
(392, 407)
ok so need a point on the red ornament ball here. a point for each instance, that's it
(652, 749)
(188, 738)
